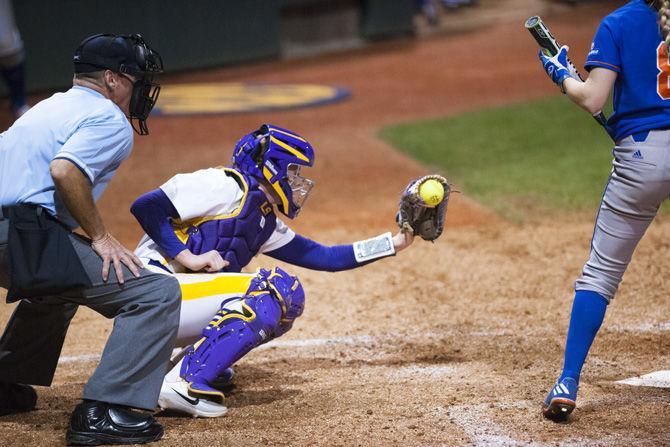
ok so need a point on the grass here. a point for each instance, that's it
(545, 154)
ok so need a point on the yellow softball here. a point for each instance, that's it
(431, 192)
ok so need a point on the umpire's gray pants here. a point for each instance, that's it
(639, 182)
(133, 364)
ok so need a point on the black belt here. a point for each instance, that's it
(4, 210)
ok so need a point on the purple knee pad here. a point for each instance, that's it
(274, 299)
(287, 289)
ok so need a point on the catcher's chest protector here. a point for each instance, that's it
(238, 235)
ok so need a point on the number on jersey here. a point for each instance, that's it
(663, 86)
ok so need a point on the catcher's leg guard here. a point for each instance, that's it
(273, 301)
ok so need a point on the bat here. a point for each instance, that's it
(543, 36)
(550, 47)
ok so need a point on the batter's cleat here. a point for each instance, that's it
(562, 399)
(176, 396)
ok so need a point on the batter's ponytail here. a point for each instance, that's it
(663, 8)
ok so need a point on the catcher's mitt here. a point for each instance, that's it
(425, 220)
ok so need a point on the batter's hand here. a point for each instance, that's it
(210, 262)
(559, 67)
(112, 252)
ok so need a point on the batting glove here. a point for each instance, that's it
(559, 67)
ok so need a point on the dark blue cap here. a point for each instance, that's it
(108, 51)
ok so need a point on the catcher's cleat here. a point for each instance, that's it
(176, 396)
(16, 398)
(562, 399)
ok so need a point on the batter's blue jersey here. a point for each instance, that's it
(629, 42)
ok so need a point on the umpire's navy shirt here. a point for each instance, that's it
(81, 126)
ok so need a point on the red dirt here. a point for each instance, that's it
(453, 343)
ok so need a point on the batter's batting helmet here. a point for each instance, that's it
(276, 155)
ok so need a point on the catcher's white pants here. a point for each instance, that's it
(201, 297)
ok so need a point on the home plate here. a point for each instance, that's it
(658, 379)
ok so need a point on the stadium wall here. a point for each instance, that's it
(200, 33)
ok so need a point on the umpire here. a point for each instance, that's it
(55, 162)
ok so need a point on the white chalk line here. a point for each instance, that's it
(430, 371)
(305, 343)
(643, 327)
(476, 422)
(78, 358)
(367, 340)
(309, 342)
(481, 430)
(364, 341)
(357, 340)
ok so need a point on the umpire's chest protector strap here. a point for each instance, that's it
(42, 260)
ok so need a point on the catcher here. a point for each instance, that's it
(216, 220)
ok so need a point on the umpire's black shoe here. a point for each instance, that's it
(97, 423)
(16, 398)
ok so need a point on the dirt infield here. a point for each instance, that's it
(452, 343)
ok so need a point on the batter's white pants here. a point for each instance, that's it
(638, 183)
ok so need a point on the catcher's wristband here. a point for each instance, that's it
(374, 248)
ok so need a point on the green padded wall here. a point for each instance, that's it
(188, 34)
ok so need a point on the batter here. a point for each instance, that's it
(629, 56)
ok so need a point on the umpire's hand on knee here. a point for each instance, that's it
(112, 252)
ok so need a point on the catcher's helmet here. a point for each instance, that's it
(276, 155)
